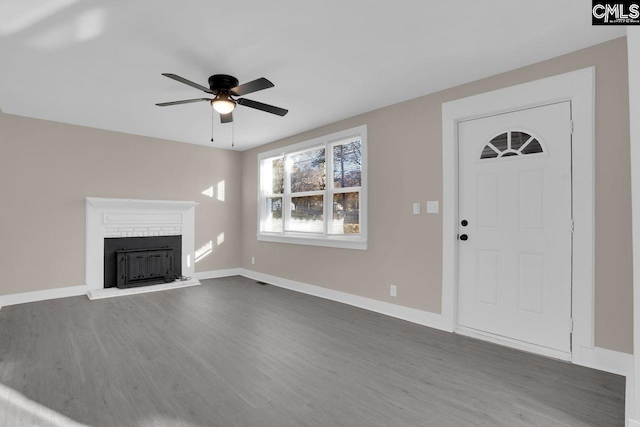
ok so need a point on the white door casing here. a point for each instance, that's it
(579, 88)
(514, 193)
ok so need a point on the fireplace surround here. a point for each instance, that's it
(111, 218)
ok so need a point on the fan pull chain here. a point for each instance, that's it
(233, 133)
(212, 125)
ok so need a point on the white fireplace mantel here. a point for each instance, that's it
(135, 218)
(102, 203)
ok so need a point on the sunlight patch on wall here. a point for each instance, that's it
(208, 192)
(17, 15)
(204, 251)
(221, 191)
(220, 238)
(87, 26)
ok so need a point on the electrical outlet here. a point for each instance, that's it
(393, 290)
(253, 260)
(416, 208)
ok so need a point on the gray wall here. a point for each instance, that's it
(47, 169)
(405, 166)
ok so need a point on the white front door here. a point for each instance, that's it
(515, 228)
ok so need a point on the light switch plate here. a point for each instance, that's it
(433, 206)
(416, 208)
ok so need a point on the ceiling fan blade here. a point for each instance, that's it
(187, 82)
(263, 107)
(186, 101)
(250, 87)
(226, 118)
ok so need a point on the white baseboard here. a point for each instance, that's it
(71, 291)
(605, 360)
(215, 274)
(413, 315)
(629, 402)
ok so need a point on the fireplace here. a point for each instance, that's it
(156, 239)
(140, 261)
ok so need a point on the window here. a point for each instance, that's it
(514, 143)
(314, 192)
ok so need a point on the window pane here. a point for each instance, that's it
(308, 171)
(518, 139)
(346, 214)
(500, 142)
(488, 153)
(273, 215)
(307, 214)
(347, 164)
(273, 175)
(534, 147)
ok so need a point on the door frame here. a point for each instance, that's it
(579, 88)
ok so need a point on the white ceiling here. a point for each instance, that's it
(98, 63)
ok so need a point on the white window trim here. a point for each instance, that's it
(338, 241)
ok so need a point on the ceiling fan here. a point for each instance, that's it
(225, 88)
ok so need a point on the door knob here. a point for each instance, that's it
(464, 237)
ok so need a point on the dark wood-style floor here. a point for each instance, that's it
(234, 353)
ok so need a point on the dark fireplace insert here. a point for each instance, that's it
(141, 261)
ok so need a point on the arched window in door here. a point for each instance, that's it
(512, 143)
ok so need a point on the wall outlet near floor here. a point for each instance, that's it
(393, 290)
(253, 260)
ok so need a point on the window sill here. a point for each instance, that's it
(342, 243)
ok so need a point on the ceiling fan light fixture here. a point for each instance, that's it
(224, 87)
(223, 104)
